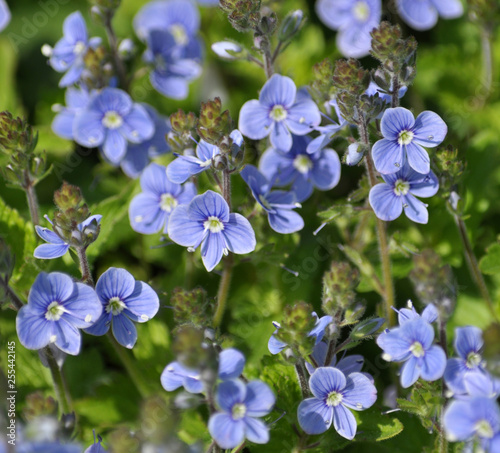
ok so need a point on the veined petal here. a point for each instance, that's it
(275, 346)
(303, 117)
(385, 203)
(212, 249)
(395, 345)
(350, 364)
(274, 164)
(143, 303)
(259, 399)
(430, 130)
(359, 392)
(50, 251)
(138, 125)
(88, 129)
(68, 337)
(170, 86)
(83, 307)
(325, 174)
(254, 122)
(326, 380)
(73, 74)
(48, 288)
(410, 372)
(256, 431)
(74, 28)
(206, 151)
(418, 330)
(257, 182)
(238, 235)
(33, 330)
(433, 364)
(418, 158)
(207, 205)
(183, 231)
(387, 156)
(111, 100)
(344, 422)
(414, 209)
(278, 90)
(396, 120)
(124, 331)
(180, 169)
(101, 326)
(115, 146)
(115, 283)
(449, 9)
(154, 179)
(426, 186)
(334, 14)
(314, 416)
(281, 138)
(468, 339)
(174, 374)
(285, 221)
(231, 364)
(145, 214)
(230, 393)
(228, 433)
(420, 15)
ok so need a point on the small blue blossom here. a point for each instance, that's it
(354, 20)
(398, 193)
(76, 100)
(175, 375)
(334, 394)
(327, 132)
(479, 383)
(412, 343)
(429, 314)
(96, 447)
(404, 139)
(278, 204)
(241, 406)
(56, 246)
(348, 364)
(373, 89)
(57, 307)
(275, 346)
(302, 170)
(468, 345)
(111, 119)
(5, 15)
(207, 221)
(124, 301)
(279, 112)
(150, 210)
(69, 52)
(185, 166)
(423, 14)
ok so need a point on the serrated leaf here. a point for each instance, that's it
(490, 263)
(374, 426)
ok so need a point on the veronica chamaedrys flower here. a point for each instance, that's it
(57, 307)
(404, 139)
(150, 210)
(173, 67)
(468, 345)
(4, 15)
(278, 204)
(474, 417)
(412, 343)
(56, 246)
(124, 301)
(69, 52)
(275, 346)
(429, 314)
(175, 375)
(139, 155)
(302, 170)
(423, 14)
(207, 221)
(347, 364)
(241, 405)
(354, 20)
(334, 394)
(398, 193)
(278, 113)
(76, 100)
(111, 119)
(326, 133)
(184, 166)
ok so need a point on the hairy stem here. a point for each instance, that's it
(396, 85)
(29, 188)
(300, 368)
(113, 44)
(60, 386)
(84, 267)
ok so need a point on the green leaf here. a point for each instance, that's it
(375, 426)
(490, 263)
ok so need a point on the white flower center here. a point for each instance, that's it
(115, 306)
(302, 163)
(405, 137)
(213, 224)
(112, 120)
(361, 11)
(473, 360)
(278, 113)
(401, 187)
(54, 311)
(239, 411)
(484, 429)
(417, 349)
(334, 399)
(79, 48)
(168, 202)
(179, 33)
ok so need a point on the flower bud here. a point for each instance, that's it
(291, 25)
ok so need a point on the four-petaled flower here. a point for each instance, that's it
(334, 394)
(404, 139)
(423, 14)
(124, 301)
(57, 307)
(389, 199)
(412, 343)
(241, 406)
(150, 210)
(278, 204)
(279, 112)
(207, 221)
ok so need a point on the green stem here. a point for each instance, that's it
(395, 91)
(84, 266)
(300, 368)
(29, 188)
(223, 292)
(60, 386)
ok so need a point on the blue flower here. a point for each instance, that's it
(241, 407)
(175, 375)
(150, 210)
(412, 343)
(183, 167)
(429, 314)
(479, 383)
(279, 112)
(69, 52)
(278, 204)
(423, 14)
(4, 15)
(474, 417)
(138, 156)
(111, 120)
(56, 246)
(334, 394)
(373, 89)
(302, 170)
(354, 20)
(76, 100)
(468, 345)
(57, 307)
(275, 346)
(348, 364)
(173, 66)
(327, 132)
(389, 199)
(207, 221)
(404, 138)
(124, 301)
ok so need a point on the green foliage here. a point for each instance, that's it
(490, 263)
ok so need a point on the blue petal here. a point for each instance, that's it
(206, 151)
(430, 313)
(115, 146)
(433, 364)
(50, 251)
(334, 14)
(170, 86)
(281, 138)
(387, 156)
(111, 100)
(154, 180)
(274, 164)
(76, 98)
(325, 174)
(145, 214)
(302, 188)
(319, 329)
(101, 326)
(359, 392)
(179, 170)
(256, 431)
(187, 194)
(425, 186)
(73, 75)
(254, 121)
(420, 15)
(303, 117)
(285, 221)
(68, 337)
(430, 130)
(231, 364)
(4, 15)
(415, 210)
(396, 120)
(418, 330)
(173, 376)
(468, 339)
(135, 161)
(275, 346)
(394, 344)
(257, 182)
(479, 384)
(259, 400)
(228, 433)
(89, 220)
(410, 372)
(449, 9)
(344, 422)
(278, 90)
(355, 41)
(230, 393)
(48, 288)
(88, 129)
(183, 231)
(124, 331)
(62, 124)
(115, 283)
(33, 330)
(193, 384)
(314, 416)
(350, 364)
(212, 249)
(83, 307)
(138, 125)
(454, 374)
(238, 235)
(209, 204)
(143, 303)
(74, 28)
(418, 158)
(326, 380)
(385, 203)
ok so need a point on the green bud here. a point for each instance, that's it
(366, 328)
(291, 25)
(68, 197)
(243, 15)
(350, 77)
(338, 287)
(214, 124)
